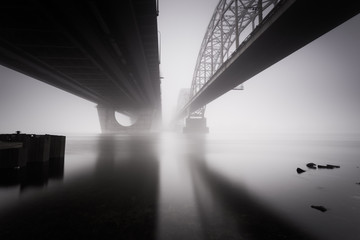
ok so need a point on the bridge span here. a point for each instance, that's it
(244, 37)
(103, 51)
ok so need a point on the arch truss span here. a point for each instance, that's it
(231, 25)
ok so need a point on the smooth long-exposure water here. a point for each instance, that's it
(175, 186)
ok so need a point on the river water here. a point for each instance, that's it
(174, 186)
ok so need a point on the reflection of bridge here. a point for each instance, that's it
(103, 51)
(244, 37)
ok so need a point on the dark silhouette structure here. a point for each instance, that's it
(103, 51)
(245, 37)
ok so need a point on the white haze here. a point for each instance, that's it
(315, 90)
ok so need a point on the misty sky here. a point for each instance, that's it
(315, 90)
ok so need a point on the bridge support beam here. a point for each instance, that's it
(109, 124)
(195, 125)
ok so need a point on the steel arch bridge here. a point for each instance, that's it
(245, 37)
(231, 24)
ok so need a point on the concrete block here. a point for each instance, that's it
(11, 155)
(19, 150)
(20, 138)
(57, 146)
(195, 125)
(39, 149)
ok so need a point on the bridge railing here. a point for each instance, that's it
(232, 22)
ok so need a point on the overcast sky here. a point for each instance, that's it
(315, 90)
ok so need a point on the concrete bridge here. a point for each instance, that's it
(244, 37)
(103, 51)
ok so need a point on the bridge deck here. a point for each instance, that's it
(281, 34)
(103, 51)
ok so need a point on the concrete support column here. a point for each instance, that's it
(109, 124)
(195, 125)
(143, 121)
(108, 121)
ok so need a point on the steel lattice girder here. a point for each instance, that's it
(231, 23)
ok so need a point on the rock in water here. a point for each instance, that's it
(328, 166)
(311, 165)
(332, 166)
(299, 170)
(320, 208)
(322, 166)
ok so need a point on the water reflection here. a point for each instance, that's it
(33, 175)
(178, 213)
(125, 182)
(115, 200)
(231, 211)
(197, 202)
(172, 186)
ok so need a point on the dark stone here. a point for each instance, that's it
(332, 166)
(320, 208)
(328, 166)
(299, 170)
(311, 165)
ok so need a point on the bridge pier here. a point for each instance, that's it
(195, 125)
(109, 124)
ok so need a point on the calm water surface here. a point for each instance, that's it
(175, 186)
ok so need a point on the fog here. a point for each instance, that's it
(314, 90)
(31, 106)
(182, 186)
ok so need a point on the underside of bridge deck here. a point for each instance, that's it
(293, 25)
(103, 51)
